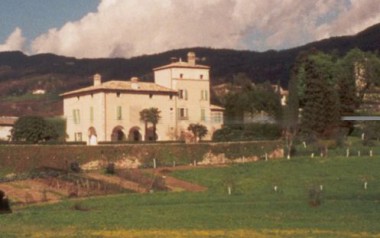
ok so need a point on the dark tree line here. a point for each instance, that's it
(326, 87)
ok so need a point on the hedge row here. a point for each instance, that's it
(23, 158)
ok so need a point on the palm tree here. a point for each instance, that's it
(150, 115)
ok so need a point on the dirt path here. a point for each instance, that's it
(117, 181)
(177, 184)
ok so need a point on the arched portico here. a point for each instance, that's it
(118, 134)
(135, 134)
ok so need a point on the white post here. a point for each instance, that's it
(359, 153)
(312, 155)
(229, 190)
(288, 157)
(321, 187)
(154, 163)
(348, 152)
(266, 156)
(365, 185)
(275, 188)
(243, 159)
(304, 144)
(173, 163)
(195, 163)
(370, 153)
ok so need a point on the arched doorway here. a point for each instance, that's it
(92, 136)
(134, 134)
(118, 134)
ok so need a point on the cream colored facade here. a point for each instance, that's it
(6, 126)
(110, 111)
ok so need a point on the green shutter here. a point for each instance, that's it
(91, 114)
(203, 114)
(78, 116)
(119, 113)
(75, 116)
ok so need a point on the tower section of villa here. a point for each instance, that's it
(192, 82)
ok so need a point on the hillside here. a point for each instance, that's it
(20, 74)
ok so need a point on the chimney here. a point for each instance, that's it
(97, 79)
(135, 81)
(191, 58)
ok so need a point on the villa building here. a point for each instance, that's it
(110, 111)
(6, 125)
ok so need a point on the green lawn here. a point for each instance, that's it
(253, 210)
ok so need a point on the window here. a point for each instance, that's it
(217, 117)
(78, 136)
(203, 114)
(119, 113)
(182, 94)
(180, 76)
(91, 114)
(204, 95)
(183, 114)
(118, 94)
(171, 97)
(201, 76)
(150, 95)
(76, 116)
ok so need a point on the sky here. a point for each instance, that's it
(128, 28)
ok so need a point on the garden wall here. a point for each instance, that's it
(23, 158)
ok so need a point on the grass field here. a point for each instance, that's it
(253, 209)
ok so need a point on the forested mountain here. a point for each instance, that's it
(21, 74)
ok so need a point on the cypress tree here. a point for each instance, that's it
(320, 116)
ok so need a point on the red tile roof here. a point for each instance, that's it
(142, 87)
(8, 121)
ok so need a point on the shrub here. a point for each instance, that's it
(159, 184)
(80, 207)
(4, 204)
(33, 129)
(315, 197)
(247, 132)
(261, 131)
(75, 167)
(198, 130)
(110, 169)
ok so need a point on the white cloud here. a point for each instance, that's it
(354, 18)
(134, 27)
(15, 41)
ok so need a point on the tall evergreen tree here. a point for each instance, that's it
(320, 116)
(291, 112)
